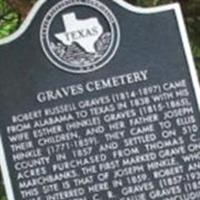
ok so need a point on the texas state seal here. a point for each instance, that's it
(80, 36)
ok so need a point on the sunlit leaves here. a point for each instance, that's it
(9, 19)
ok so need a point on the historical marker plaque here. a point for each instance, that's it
(98, 102)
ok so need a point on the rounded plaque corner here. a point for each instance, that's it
(141, 10)
(22, 29)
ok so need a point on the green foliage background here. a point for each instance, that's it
(10, 20)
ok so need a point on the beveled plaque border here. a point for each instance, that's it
(145, 11)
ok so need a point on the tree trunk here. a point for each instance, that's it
(22, 6)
